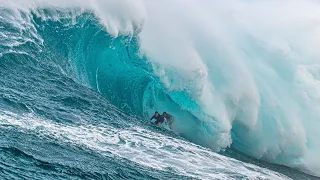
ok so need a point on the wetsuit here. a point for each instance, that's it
(157, 118)
(161, 119)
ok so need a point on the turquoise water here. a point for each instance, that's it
(76, 98)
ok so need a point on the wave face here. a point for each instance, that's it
(234, 74)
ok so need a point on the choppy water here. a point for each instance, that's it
(79, 81)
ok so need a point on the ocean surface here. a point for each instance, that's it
(80, 79)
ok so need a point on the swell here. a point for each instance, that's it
(73, 42)
(114, 67)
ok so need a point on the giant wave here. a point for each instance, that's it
(237, 74)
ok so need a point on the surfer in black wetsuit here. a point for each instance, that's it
(157, 117)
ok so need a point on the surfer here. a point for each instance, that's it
(165, 117)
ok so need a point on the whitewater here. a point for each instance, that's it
(81, 79)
